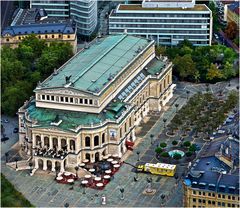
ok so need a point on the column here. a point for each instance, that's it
(34, 141)
(50, 142)
(59, 143)
(28, 149)
(68, 144)
(42, 140)
(62, 167)
(92, 158)
(53, 166)
(36, 163)
(44, 164)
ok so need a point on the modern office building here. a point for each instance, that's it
(91, 105)
(35, 21)
(57, 8)
(213, 181)
(166, 22)
(84, 13)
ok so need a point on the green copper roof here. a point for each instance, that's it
(72, 119)
(155, 66)
(95, 67)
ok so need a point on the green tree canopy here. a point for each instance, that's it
(213, 73)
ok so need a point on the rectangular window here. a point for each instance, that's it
(213, 194)
(194, 200)
(229, 197)
(203, 193)
(120, 132)
(125, 126)
(71, 100)
(62, 99)
(223, 204)
(213, 202)
(85, 101)
(209, 202)
(219, 203)
(194, 192)
(59, 36)
(43, 97)
(66, 99)
(204, 201)
(233, 197)
(223, 196)
(90, 102)
(68, 36)
(200, 193)
(52, 97)
(48, 97)
(219, 195)
(130, 122)
(81, 100)
(200, 200)
(209, 194)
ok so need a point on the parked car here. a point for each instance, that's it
(5, 120)
(3, 139)
(220, 131)
(15, 130)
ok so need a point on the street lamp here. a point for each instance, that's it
(66, 205)
(122, 191)
(176, 105)
(149, 186)
(30, 165)
(188, 93)
(77, 168)
(6, 155)
(162, 197)
(16, 160)
(151, 136)
(164, 122)
(138, 155)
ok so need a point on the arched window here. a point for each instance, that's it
(87, 141)
(96, 140)
(103, 138)
(72, 144)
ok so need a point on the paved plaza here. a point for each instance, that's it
(42, 190)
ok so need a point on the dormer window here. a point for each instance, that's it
(25, 32)
(32, 31)
(46, 31)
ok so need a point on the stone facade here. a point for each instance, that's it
(94, 140)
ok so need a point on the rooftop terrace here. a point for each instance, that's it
(71, 120)
(93, 68)
(138, 7)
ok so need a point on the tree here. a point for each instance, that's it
(187, 144)
(189, 154)
(165, 154)
(177, 156)
(228, 70)
(213, 73)
(158, 150)
(185, 66)
(163, 145)
(14, 97)
(231, 30)
(174, 142)
(160, 50)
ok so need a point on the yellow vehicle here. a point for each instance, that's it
(158, 169)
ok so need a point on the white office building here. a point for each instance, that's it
(84, 13)
(53, 8)
(168, 22)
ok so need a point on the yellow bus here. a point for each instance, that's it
(158, 169)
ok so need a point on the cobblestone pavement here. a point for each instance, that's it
(42, 190)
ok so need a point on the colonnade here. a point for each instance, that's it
(54, 142)
(54, 163)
